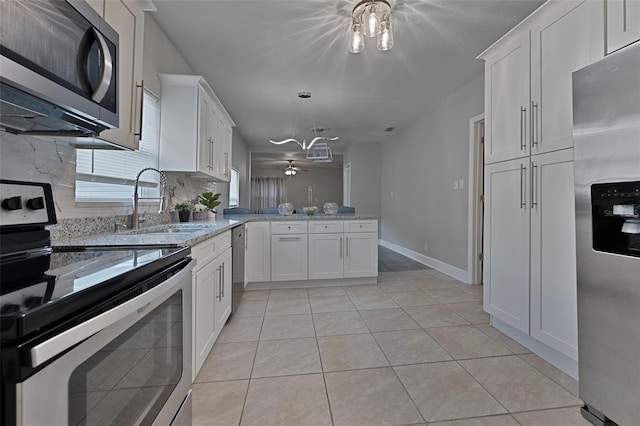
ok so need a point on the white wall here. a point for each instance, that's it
(419, 168)
(326, 185)
(365, 159)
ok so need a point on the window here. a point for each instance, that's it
(109, 176)
(234, 189)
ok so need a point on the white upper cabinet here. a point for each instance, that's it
(127, 18)
(623, 23)
(561, 43)
(507, 98)
(528, 101)
(195, 129)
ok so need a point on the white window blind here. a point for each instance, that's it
(108, 176)
(234, 189)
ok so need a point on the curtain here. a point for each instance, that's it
(267, 192)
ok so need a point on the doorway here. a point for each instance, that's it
(346, 184)
(476, 199)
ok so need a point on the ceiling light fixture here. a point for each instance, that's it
(371, 18)
(290, 170)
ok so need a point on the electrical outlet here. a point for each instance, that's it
(426, 248)
(455, 184)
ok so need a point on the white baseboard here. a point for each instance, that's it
(566, 364)
(436, 264)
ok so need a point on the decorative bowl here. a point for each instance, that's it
(285, 208)
(330, 208)
(310, 210)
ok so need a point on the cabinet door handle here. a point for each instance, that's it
(534, 194)
(219, 297)
(341, 247)
(211, 152)
(137, 118)
(288, 238)
(222, 281)
(246, 239)
(523, 172)
(523, 125)
(347, 247)
(534, 124)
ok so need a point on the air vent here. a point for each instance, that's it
(389, 129)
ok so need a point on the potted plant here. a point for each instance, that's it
(210, 201)
(184, 210)
(200, 212)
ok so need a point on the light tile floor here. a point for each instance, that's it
(414, 349)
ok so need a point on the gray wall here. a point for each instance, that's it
(159, 56)
(326, 184)
(365, 159)
(419, 168)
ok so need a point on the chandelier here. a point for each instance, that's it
(371, 18)
(316, 131)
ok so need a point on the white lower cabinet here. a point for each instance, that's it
(326, 253)
(204, 322)
(223, 288)
(554, 315)
(211, 296)
(257, 260)
(289, 257)
(506, 242)
(361, 255)
(529, 251)
(346, 254)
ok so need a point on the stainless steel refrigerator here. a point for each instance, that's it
(606, 119)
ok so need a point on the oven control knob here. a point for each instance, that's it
(12, 203)
(10, 308)
(36, 203)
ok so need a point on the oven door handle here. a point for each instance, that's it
(48, 349)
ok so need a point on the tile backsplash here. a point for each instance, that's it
(49, 160)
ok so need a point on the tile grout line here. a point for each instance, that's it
(324, 379)
(255, 355)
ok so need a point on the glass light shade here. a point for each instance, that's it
(371, 21)
(356, 38)
(385, 36)
(290, 172)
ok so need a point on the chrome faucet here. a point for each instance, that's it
(135, 219)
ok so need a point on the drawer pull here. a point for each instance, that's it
(288, 238)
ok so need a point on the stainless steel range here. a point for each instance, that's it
(606, 116)
(95, 336)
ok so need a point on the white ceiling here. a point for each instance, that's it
(257, 54)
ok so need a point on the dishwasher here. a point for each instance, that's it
(238, 244)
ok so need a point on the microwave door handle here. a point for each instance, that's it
(106, 63)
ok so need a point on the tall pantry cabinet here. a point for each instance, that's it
(529, 247)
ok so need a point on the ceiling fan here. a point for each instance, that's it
(291, 170)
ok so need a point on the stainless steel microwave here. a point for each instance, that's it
(58, 69)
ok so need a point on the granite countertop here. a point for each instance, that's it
(197, 231)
